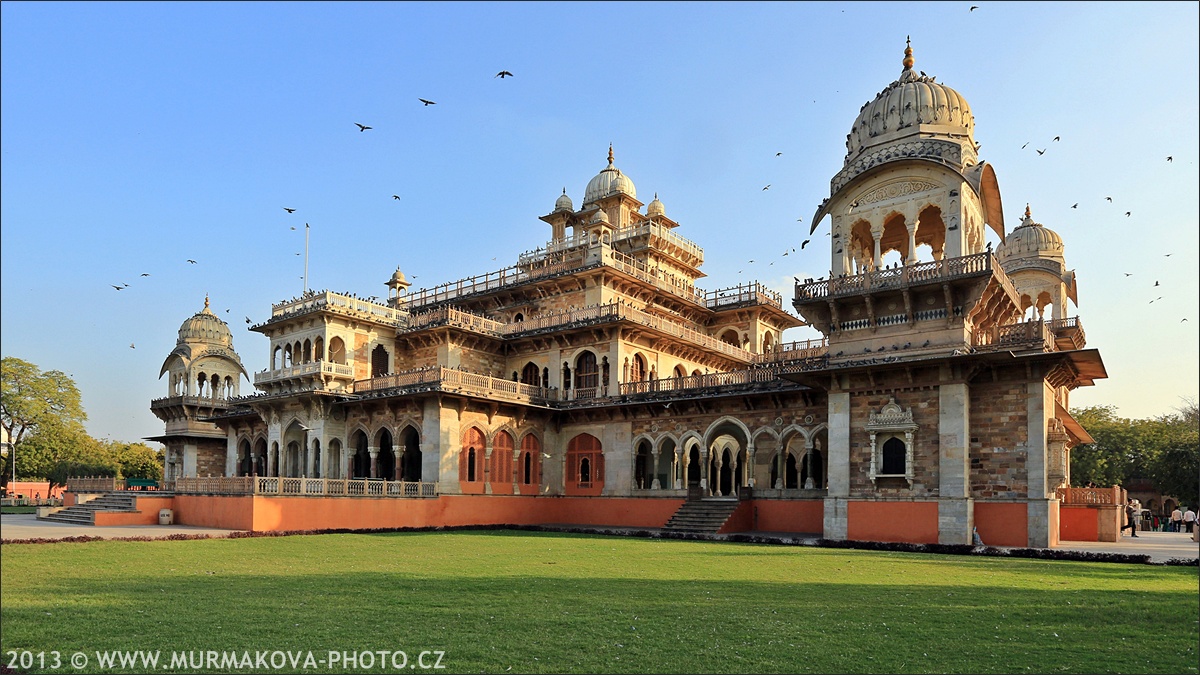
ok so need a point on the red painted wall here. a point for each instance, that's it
(225, 512)
(31, 489)
(910, 522)
(1002, 524)
(1078, 523)
(742, 519)
(776, 515)
(146, 514)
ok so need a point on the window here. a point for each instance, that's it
(531, 375)
(893, 457)
(379, 361)
(585, 464)
(892, 432)
(587, 375)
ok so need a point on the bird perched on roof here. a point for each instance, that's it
(362, 127)
(427, 102)
(503, 74)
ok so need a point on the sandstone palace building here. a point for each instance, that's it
(594, 382)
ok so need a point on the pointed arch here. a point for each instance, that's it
(584, 465)
(471, 460)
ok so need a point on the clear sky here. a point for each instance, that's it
(137, 136)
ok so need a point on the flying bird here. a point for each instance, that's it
(1128, 274)
(192, 262)
(973, 8)
(145, 274)
(294, 210)
(247, 319)
(396, 197)
(1172, 159)
(1109, 199)
(804, 243)
(362, 127)
(1075, 205)
(427, 102)
(767, 187)
(1041, 152)
(503, 74)
(1025, 146)
(131, 346)
(1057, 138)
(293, 227)
(1127, 213)
(778, 154)
(119, 288)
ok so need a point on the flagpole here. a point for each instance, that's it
(306, 257)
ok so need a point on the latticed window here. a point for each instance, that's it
(637, 369)
(502, 458)
(531, 460)
(585, 461)
(587, 375)
(379, 361)
(531, 375)
(470, 467)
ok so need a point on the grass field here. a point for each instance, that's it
(536, 602)
(18, 509)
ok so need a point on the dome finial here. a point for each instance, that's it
(206, 301)
(1028, 214)
(610, 154)
(908, 57)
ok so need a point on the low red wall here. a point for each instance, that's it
(146, 514)
(777, 515)
(1078, 523)
(741, 520)
(224, 512)
(1001, 524)
(32, 489)
(304, 513)
(909, 522)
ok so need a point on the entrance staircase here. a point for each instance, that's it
(702, 516)
(85, 514)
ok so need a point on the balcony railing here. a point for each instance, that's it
(652, 229)
(1108, 495)
(456, 380)
(735, 377)
(450, 316)
(905, 275)
(301, 487)
(202, 401)
(743, 294)
(337, 302)
(304, 370)
(795, 351)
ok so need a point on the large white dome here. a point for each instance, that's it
(607, 182)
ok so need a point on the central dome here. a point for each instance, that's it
(916, 103)
(204, 326)
(607, 182)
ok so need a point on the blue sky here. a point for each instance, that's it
(136, 136)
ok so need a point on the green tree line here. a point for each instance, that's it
(1164, 450)
(42, 415)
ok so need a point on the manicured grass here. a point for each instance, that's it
(18, 509)
(537, 602)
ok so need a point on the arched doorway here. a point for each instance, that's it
(410, 458)
(726, 484)
(360, 461)
(385, 461)
(334, 463)
(693, 467)
(643, 467)
(379, 361)
(245, 459)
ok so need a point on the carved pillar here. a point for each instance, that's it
(877, 235)
(487, 468)
(374, 452)
(809, 483)
(397, 455)
(780, 467)
(750, 481)
(518, 469)
(912, 243)
(655, 484)
(680, 469)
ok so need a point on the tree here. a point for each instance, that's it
(136, 460)
(1176, 470)
(31, 399)
(54, 445)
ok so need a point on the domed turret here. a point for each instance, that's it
(564, 203)
(1029, 240)
(656, 208)
(607, 182)
(913, 104)
(204, 326)
(600, 216)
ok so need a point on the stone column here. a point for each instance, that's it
(519, 468)
(956, 513)
(397, 454)
(912, 243)
(680, 469)
(809, 483)
(835, 520)
(310, 458)
(655, 484)
(877, 235)
(487, 468)
(374, 453)
(231, 453)
(750, 452)
(1039, 407)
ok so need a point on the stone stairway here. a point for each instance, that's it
(702, 516)
(85, 514)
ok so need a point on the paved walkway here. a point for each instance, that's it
(27, 526)
(1160, 546)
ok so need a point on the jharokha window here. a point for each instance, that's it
(470, 461)
(587, 375)
(585, 465)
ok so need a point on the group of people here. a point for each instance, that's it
(1183, 519)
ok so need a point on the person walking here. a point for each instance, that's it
(1189, 520)
(1131, 514)
(1176, 520)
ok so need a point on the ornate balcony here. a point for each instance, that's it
(324, 369)
(337, 303)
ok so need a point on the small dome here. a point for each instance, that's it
(564, 203)
(398, 280)
(1030, 240)
(607, 182)
(204, 326)
(912, 101)
(656, 208)
(600, 216)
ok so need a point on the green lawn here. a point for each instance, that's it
(536, 602)
(18, 509)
